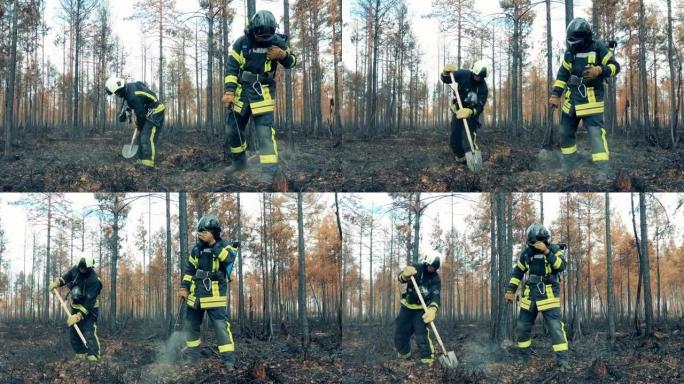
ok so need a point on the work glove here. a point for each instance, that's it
(408, 272)
(228, 98)
(554, 101)
(429, 315)
(464, 113)
(276, 53)
(541, 247)
(510, 296)
(592, 72)
(75, 318)
(55, 284)
(451, 67)
(183, 293)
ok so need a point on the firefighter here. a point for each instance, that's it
(204, 286)
(149, 115)
(250, 91)
(84, 286)
(412, 318)
(543, 262)
(585, 66)
(472, 88)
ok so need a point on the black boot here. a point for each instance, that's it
(569, 162)
(602, 169)
(239, 163)
(229, 361)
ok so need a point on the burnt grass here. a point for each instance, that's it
(192, 161)
(41, 354)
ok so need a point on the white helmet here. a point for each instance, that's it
(113, 84)
(86, 262)
(480, 68)
(432, 258)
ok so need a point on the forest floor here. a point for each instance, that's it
(191, 161)
(39, 354)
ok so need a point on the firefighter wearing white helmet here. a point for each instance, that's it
(472, 88)
(149, 115)
(84, 299)
(412, 318)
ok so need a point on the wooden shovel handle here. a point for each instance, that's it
(66, 310)
(432, 323)
(454, 88)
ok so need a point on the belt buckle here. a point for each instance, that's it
(258, 91)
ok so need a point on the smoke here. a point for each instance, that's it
(170, 351)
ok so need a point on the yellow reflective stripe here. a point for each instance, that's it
(591, 95)
(239, 149)
(525, 303)
(190, 301)
(432, 348)
(559, 84)
(230, 347)
(210, 299)
(214, 265)
(525, 344)
(268, 159)
(606, 57)
(590, 105)
(587, 112)
(267, 65)
(239, 57)
(605, 141)
(612, 69)
(591, 59)
(160, 108)
(154, 131)
(560, 347)
(566, 65)
(602, 156)
(433, 304)
(550, 303)
(557, 263)
(212, 305)
(147, 163)
(193, 343)
(231, 79)
(223, 255)
(143, 93)
(515, 281)
(97, 339)
(214, 289)
(410, 306)
(549, 291)
(80, 308)
(521, 266)
(187, 278)
(193, 260)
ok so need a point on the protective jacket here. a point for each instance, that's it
(143, 102)
(473, 93)
(206, 272)
(587, 98)
(430, 287)
(85, 289)
(543, 277)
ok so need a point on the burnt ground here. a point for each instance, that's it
(191, 161)
(41, 354)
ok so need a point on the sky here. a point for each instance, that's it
(129, 31)
(13, 217)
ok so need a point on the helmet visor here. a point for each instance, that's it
(264, 33)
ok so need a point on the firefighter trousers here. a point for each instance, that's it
(219, 320)
(552, 318)
(147, 138)
(262, 118)
(595, 128)
(409, 322)
(458, 141)
(88, 327)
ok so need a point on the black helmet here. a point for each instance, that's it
(537, 232)
(578, 34)
(263, 26)
(210, 223)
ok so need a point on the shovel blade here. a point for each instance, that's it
(449, 360)
(474, 161)
(129, 150)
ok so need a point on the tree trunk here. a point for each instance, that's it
(304, 326)
(645, 269)
(169, 305)
(609, 274)
(9, 93)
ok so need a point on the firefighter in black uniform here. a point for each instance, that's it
(149, 115)
(204, 286)
(84, 286)
(543, 262)
(472, 88)
(586, 64)
(412, 319)
(250, 90)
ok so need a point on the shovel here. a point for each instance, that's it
(130, 150)
(474, 157)
(448, 359)
(66, 310)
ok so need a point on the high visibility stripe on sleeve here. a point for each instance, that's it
(515, 281)
(231, 79)
(607, 57)
(612, 69)
(223, 255)
(521, 266)
(193, 260)
(143, 93)
(559, 84)
(566, 65)
(238, 57)
(187, 278)
(558, 262)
